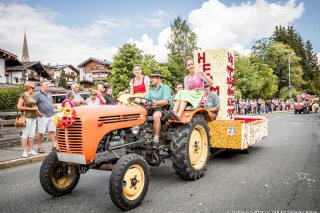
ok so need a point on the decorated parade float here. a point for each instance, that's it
(120, 138)
(229, 131)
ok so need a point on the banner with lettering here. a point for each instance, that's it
(218, 64)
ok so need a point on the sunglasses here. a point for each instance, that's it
(32, 87)
(93, 94)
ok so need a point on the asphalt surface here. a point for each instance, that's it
(282, 173)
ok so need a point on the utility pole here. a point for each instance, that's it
(289, 87)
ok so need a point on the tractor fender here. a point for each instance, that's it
(187, 115)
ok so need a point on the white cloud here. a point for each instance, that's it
(236, 26)
(158, 49)
(152, 22)
(159, 13)
(216, 25)
(50, 42)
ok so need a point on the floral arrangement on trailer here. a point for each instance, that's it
(65, 117)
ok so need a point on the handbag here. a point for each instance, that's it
(20, 120)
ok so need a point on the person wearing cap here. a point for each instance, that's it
(46, 115)
(160, 95)
(210, 100)
(140, 84)
(93, 100)
(193, 92)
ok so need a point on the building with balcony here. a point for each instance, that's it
(71, 72)
(28, 71)
(94, 70)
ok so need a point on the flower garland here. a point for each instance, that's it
(65, 117)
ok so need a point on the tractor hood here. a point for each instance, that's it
(92, 123)
(89, 112)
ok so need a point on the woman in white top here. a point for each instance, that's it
(93, 100)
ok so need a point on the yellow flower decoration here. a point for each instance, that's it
(56, 119)
(67, 110)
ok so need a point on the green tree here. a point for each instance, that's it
(182, 43)
(127, 56)
(268, 79)
(63, 80)
(149, 63)
(278, 59)
(247, 79)
(311, 73)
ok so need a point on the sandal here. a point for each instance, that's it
(40, 150)
(174, 115)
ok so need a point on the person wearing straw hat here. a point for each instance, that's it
(160, 95)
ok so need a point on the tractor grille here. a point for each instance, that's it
(118, 118)
(70, 139)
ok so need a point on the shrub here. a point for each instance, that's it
(9, 98)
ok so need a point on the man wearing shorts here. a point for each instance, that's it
(45, 119)
(160, 95)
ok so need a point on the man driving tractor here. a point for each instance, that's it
(159, 95)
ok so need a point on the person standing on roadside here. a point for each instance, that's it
(109, 97)
(46, 114)
(28, 105)
(100, 94)
(93, 100)
(77, 99)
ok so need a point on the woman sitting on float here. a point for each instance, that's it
(194, 86)
(139, 85)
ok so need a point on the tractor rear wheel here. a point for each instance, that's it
(190, 148)
(56, 177)
(129, 181)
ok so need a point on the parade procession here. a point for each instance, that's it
(171, 106)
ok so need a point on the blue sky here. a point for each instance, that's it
(72, 31)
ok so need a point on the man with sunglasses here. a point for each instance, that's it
(93, 100)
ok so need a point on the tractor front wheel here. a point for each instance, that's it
(129, 181)
(56, 177)
(190, 148)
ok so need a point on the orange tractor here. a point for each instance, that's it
(119, 139)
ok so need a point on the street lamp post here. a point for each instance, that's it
(289, 87)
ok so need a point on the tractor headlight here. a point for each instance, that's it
(135, 129)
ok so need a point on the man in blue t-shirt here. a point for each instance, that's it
(160, 95)
(45, 120)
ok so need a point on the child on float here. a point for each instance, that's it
(193, 92)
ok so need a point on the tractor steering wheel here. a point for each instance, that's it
(147, 103)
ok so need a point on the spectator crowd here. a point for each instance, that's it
(259, 106)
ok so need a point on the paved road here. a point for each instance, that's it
(282, 173)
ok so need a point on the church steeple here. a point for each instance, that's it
(25, 52)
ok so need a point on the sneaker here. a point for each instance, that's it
(155, 142)
(32, 152)
(174, 115)
(166, 115)
(25, 154)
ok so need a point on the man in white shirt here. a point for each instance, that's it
(77, 100)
